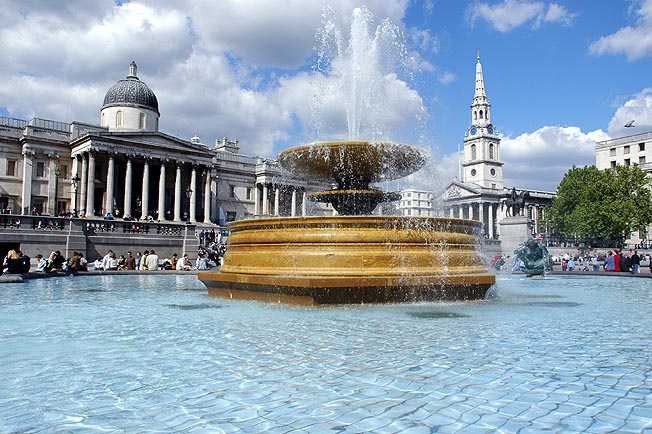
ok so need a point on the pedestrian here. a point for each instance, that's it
(139, 257)
(130, 262)
(616, 261)
(636, 262)
(610, 262)
(143, 260)
(152, 260)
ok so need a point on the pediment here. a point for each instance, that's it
(458, 190)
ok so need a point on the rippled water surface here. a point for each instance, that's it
(156, 354)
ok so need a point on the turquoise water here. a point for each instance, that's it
(156, 354)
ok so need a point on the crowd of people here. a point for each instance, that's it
(16, 262)
(613, 261)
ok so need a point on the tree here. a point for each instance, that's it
(593, 203)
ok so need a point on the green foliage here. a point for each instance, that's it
(592, 203)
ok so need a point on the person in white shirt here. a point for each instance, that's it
(152, 260)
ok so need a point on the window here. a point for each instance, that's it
(626, 150)
(473, 152)
(103, 120)
(141, 121)
(11, 168)
(249, 193)
(491, 152)
(493, 186)
(641, 147)
(40, 169)
(612, 152)
(641, 160)
(232, 191)
(230, 216)
(473, 172)
(613, 164)
(480, 115)
(63, 173)
(118, 119)
(627, 162)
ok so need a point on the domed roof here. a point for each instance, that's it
(131, 92)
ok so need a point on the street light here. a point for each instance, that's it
(188, 195)
(57, 172)
(75, 188)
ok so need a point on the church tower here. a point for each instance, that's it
(482, 165)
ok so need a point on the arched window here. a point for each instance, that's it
(475, 115)
(118, 119)
(473, 153)
(141, 121)
(480, 114)
(103, 120)
(491, 152)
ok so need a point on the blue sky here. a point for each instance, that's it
(559, 75)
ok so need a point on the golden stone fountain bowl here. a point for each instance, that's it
(351, 260)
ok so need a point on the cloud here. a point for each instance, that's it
(447, 77)
(539, 160)
(510, 14)
(639, 109)
(218, 68)
(634, 42)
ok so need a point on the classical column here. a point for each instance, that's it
(265, 201)
(193, 196)
(53, 184)
(460, 211)
(277, 200)
(256, 199)
(75, 172)
(451, 211)
(214, 197)
(304, 205)
(84, 184)
(207, 197)
(90, 194)
(110, 177)
(294, 202)
(481, 216)
(471, 212)
(144, 208)
(126, 208)
(177, 194)
(491, 221)
(28, 163)
(161, 192)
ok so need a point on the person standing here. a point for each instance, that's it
(130, 262)
(616, 261)
(152, 261)
(143, 260)
(636, 262)
(609, 262)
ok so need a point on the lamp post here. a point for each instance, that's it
(188, 195)
(75, 189)
(57, 172)
(139, 203)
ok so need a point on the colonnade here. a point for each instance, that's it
(170, 202)
(272, 199)
(491, 214)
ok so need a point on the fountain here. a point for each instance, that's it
(353, 257)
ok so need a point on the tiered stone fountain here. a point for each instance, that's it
(354, 257)
(351, 257)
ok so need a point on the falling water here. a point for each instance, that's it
(354, 71)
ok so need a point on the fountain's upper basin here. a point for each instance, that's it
(353, 164)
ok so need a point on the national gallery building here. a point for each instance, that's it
(127, 167)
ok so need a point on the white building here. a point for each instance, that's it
(127, 167)
(418, 203)
(481, 195)
(627, 151)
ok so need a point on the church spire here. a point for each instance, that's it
(480, 109)
(133, 70)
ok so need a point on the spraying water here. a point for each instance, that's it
(358, 72)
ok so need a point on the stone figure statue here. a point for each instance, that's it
(535, 257)
(516, 202)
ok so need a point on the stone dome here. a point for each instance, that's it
(131, 92)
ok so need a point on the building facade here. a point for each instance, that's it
(126, 167)
(628, 151)
(481, 195)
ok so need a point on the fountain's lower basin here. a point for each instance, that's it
(351, 259)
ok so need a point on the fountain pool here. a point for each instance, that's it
(156, 354)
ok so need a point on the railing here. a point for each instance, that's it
(23, 223)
